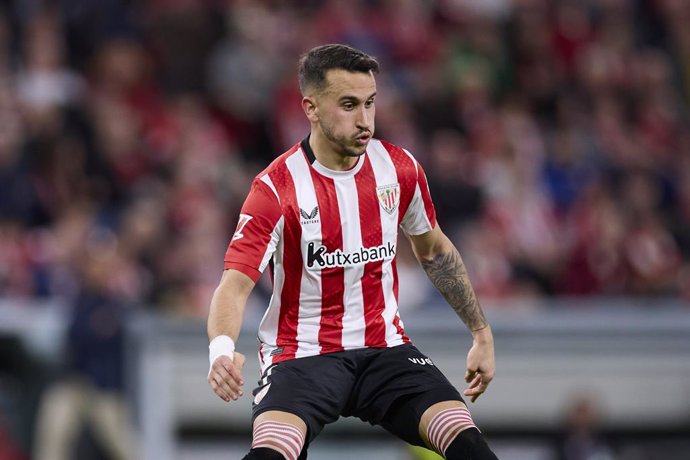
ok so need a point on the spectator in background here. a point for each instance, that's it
(454, 171)
(45, 80)
(582, 438)
(91, 389)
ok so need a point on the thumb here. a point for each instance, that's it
(239, 360)
(469, 375)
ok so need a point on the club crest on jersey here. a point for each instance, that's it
(389, 197)
(309, 217)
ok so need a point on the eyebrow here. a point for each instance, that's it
(354, 98)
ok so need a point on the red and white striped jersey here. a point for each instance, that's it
(331, 238)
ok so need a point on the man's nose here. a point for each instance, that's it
(363, 119)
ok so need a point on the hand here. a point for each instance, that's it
(481, 366)
(225, 377)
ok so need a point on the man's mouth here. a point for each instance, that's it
(363, 138)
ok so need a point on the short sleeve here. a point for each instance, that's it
(420, 216)
(258, 232)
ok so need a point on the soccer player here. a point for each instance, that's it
(325, 216)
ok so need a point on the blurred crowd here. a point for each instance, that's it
(554, 134)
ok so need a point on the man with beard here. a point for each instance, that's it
(325, 216)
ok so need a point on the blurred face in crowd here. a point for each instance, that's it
(342, 114)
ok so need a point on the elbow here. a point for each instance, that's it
(438, 251)
(427, 258)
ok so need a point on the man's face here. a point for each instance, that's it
(346, 111)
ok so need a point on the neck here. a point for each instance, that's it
(325, 153)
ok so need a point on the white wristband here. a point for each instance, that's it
(221, 346)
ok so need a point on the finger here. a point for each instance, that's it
(227, 368)
(475, 381)
(475, 392)
(481, 391)
(218, 390)
(232, 389)
(226, 382)
(227, 377)
(233, 370)
(220, 387)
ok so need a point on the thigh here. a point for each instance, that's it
(396, 389)
(314, 388)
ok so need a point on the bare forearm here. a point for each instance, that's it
(224, 318)
(448, 274)
(446, 270)
(227, 305)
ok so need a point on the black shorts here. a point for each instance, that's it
(390, 387)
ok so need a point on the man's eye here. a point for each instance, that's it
(369, 103)
(348, 106)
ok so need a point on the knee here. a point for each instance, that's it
(469, 445)
(453, 434)
(446, 424)
(276, 441)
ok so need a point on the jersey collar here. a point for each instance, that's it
(321, 169)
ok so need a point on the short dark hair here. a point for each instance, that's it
(314, 64)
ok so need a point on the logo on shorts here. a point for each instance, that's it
(421, 361)
(260, 395)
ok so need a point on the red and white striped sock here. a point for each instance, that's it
(446, 425)
(285, 438)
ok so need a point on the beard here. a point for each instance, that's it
(346, 146)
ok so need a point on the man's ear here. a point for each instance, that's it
(310, 108)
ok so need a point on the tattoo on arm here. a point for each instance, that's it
(448, 273)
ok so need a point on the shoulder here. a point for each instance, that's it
(403, 161)
(279, 174)
(267, 185)
(279, 165)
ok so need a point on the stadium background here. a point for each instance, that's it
(554, 134)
